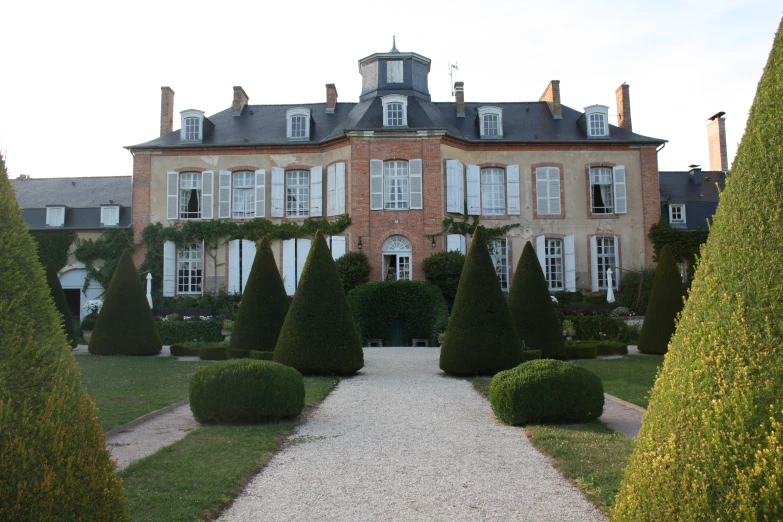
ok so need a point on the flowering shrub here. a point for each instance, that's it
(621, 311)
(93, 307)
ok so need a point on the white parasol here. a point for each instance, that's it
(609, 291)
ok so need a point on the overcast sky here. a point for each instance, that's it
(81, 80)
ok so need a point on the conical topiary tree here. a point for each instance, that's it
(665, 303)
(263, 306)
(711, 443)
(61, 303)
(54, 463)
(319, 335)
(480, 338)
(531, 307)
(125, 325)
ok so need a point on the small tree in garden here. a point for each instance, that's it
(534, 314)
(263, 306)
(53, 459)
(354, 269)
(665, 303)
(443, 270)
(711, 443)
(125, 325)
(319, 335)
(61, 303)
(480, 338)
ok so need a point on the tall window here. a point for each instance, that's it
(190, 195)
(244, 195)
(394, 114)
(597, 124)
(190, 263)
(493, 198)
(553, 261)
(191, 128)
(297, 193)
(395, 185)
(548, 190)
(491, 127)
(606, 257)
(498, 251)
(601, 190)
(298, 129)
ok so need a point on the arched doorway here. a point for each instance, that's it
(397, 255)
(72, 282)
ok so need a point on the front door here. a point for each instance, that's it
(397, 253)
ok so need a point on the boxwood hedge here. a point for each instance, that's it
(177, 332)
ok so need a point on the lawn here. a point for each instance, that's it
(630, 378)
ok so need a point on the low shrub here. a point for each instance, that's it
(530, 355)
(354, 269)
(261, 356)
(237, 353)
(598, 328)
(581, 351)
(221, 304)
(214, 352)
(176, 332)
(88, 323)
(246, 391)
(184, 350)
(546, 391)
(601, 348)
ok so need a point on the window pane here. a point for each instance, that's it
(606, 257)
(394, 114)
(190, 195)
(298, 193)
(189, 270)
(493, 198)
(298, 127)
(498, 251)
(491, 127)
(554, 263)
(395, 185)
(601, 190)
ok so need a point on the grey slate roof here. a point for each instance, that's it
(700, 199)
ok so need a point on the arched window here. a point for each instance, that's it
(397, 251)
(395, 110)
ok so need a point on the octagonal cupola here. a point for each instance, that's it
(394, 73)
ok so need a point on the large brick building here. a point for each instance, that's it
(584, 192)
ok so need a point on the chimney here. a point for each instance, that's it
(552, 97)
(716, 136)
(24, 176)
(695, 175)
(624, 107)
(166, 110)
(240, 100)
(331, 98)
(459, 93)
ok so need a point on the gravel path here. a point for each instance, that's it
(401, 441)
(622, 417)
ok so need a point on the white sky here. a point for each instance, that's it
(80, 80)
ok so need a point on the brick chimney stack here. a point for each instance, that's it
(240, 100)
(459, 94)
(716, 136)
(552, 97)
(166, 110)
(624, 107)
(331, 98)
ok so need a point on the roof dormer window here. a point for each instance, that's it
(192, 125)
(491, 122)
(395, 110)
(110, 215)
(597, 121)
(298, 124)
(55, 216)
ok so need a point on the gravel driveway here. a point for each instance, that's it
(401, 441)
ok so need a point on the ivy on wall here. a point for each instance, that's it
(53, 246)
(685, 244)
(465, 227)
(109, 247)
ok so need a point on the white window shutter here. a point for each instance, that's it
(203, 266)
(233, 266)
(541, 252)
(620, 199)
(207, 191)
(415, 171)
(376, 185)
(340, 167)
(316, 191)
(594, 263)
(616, 262)
(473, 175)
(338, 247)
(542, 190)
(260, 193)
(278, 192)
(224, 194)
(172, 188)
(331, 194)
(289, 266)
(569, 260)
(455, 187)
(169, 268)
(512, 188)
(554, 190)
(302, 249)
(248, 256)
(455, 242)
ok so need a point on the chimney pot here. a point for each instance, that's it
(716, 137)
(459, 94)
(623, 95)
(240, 100)
(331, 98)
(695, 176)
(552, 97)
(166, 110)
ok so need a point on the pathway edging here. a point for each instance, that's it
(144, 418)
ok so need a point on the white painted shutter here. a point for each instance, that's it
(169, 268)
(455, 242)
(203, 266)
(302, 249)
(260, 193)
(278, 190)
(541, 252)
(289, 266)
(224, 194)
(594, 263)
(554, 190)
(620, 200)
(569, 259)
(316, 191)
(331, 195)
(248, 256)
(512, 188)
(376, 185)
(455, 187)
(172, 187)
(474, 190)
(207, 194)
(340, 188)
(233, 266)
(414, 171)
(616, 262)
(542, 190)
(338, 247)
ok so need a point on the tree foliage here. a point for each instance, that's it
(665, 303)
(354, 269)
(443, 270)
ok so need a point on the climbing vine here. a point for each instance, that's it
(53, 246)
(464, 227)
(685, 244)
(109, 247)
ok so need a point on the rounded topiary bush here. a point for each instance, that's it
(546, 391)
(246, 391)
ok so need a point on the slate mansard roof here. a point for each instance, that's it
(699, 194)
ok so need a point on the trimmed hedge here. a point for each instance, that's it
(177, 332)
(711, 443)
(419, 304)
(125, 325)
(546, 391)
(246, 391)
(54, 463)
(213, 352)
(531, 355)
(531, 307)
(443, 270)
(480, 338)
(262, 356)
(319, 335)
(602, 347)
(354, 270)
(184, 350)
(60, 302)
(598, 328)
(234, 353)
(665, 303)
(581, 350)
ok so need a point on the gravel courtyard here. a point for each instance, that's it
(402, 441)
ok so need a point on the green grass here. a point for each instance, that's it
(125, 388)
(630, 378)
(199, 475)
